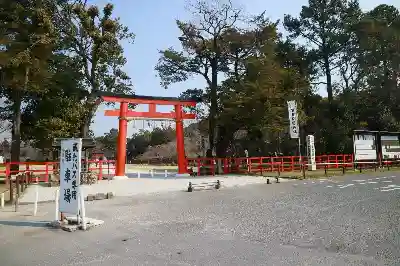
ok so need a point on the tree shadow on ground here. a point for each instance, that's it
(36, 224)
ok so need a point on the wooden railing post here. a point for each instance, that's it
(100, 177)
(46, 173)
(8, 173)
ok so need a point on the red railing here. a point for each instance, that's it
(266, 164)
(44, 169)
(203, 166)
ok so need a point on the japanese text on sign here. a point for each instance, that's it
(293, 120)
(70, 168)
(311, 153)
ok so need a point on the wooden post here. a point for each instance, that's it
(17, 185)
(11, 191)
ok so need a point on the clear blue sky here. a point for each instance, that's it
(153, 22)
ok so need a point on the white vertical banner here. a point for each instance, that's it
(293, 119)
(312, 166)
(70, 172)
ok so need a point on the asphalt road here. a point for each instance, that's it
(353, 220)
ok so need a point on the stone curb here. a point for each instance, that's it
(99, 196)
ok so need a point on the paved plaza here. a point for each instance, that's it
(351, 220)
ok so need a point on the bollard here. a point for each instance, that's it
(2, 200)
(360, 168)
(11, 191)
(18, 192)
(166, 173)
(152, 173)
(277, 179)
(326, 169)
(22, 183)
(83, 211)
(35, 205)
(190, 188)
(343, 169)
(138, 174)
(57, 193)
(303, 169)
(268, 181)
(17, 185)
(16, 204)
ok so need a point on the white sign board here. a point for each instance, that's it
(312, 166)
(364, 147)
(293, 120)
(390, 147)
(70, 172)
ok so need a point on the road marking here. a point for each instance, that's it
(348, 185)
(359, 180)
(372, 182)
(384, 177)
(387, 181)
(305, 183)
(321, 181)
(390, 189)
(393, 176)
(377, 178)
(329, 186)
(390, 186)
(362, 183)
(313, 182)
(370, 179)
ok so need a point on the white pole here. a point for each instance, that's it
(35, 205)
(83, 211)
(78, 216)
(57, 209)
(152, 173)
(166, 174)
(2, 200)
(138, 174)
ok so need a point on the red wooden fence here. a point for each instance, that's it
(268, 164)
(229, 165)
(44, 169)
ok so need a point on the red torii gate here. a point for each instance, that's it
(125, 115)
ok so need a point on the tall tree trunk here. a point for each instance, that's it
(85, 127)
(87, 120)
(213, 105)
(224, 137)
(328, 75)
(16, 125)
(16, 131)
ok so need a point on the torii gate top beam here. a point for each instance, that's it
(141, 99)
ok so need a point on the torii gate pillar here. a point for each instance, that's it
(121, 141)
(124, 114)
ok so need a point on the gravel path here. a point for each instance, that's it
(349, 221)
